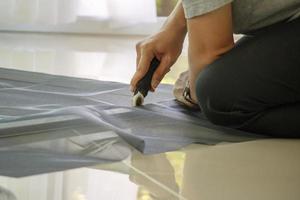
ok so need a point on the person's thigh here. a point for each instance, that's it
(261, 72)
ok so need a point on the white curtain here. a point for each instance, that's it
(68, 11)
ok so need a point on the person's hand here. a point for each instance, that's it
(166, 46)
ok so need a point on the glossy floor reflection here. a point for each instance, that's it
(104, 58)
(266, 169)
(261, 170)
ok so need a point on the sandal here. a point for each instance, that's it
(182, 92)
(187, 95)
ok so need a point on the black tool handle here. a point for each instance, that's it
(144, 84)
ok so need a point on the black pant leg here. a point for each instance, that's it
(256, 85)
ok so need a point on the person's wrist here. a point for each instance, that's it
(176, 25)
(175, 33)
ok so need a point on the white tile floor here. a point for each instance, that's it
(260, 170)
(104, 58)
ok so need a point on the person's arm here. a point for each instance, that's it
(166, 45)
(177, 19)
(210, 36)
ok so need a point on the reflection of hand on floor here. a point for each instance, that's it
(154, 171)
(180, 89)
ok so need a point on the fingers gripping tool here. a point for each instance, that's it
(144, 84)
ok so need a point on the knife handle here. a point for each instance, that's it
(144, 84)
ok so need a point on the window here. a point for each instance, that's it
(86, 16)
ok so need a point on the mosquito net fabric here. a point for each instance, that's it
(92, 122)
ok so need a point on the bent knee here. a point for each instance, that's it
(219, 97)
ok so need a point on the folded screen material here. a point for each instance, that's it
(35, 103)
(36, 156)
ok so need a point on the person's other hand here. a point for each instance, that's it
(166, 46)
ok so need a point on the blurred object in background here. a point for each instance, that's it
(165, 7)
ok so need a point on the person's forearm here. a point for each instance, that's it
(210, 36)
(176, 20)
